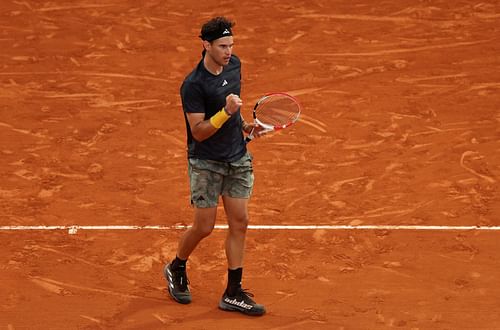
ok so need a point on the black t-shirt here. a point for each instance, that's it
(204, 92)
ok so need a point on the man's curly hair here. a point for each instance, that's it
(214, 27)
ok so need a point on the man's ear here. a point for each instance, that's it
(206, 44)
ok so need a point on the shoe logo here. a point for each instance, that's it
(224, 83)
(226, 31)
(238, 303)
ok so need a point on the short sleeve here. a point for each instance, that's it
(192, 98)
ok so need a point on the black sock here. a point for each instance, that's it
(178, 263)
(234, 281)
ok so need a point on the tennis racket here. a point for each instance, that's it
(275, 111)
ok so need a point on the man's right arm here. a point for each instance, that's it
(202, 129)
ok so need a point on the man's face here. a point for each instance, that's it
(220, 50)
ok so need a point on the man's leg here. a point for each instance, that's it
(204, 221)
(237, 217)
(175, 272)
(205, 183)
(235, 298)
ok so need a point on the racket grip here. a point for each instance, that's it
(250, 136)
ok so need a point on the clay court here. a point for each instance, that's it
(400, 127)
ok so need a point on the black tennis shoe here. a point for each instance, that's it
(177, 283)
(241, 302)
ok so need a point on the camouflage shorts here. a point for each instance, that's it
(209, 179)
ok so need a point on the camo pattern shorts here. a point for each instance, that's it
(210, 179)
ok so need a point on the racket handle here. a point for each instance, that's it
(250, 136)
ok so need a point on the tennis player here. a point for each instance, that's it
(218, 164)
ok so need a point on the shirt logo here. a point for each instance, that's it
(226, 31)
(224, 83)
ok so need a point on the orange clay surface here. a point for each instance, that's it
(401, 125)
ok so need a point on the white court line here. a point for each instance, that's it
(75, 228)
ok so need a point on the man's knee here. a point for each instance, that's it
(203, 230)
(204, 221)
(239, 224)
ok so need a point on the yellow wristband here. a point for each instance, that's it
(219, 118)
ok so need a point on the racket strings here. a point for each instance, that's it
(277, 111)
